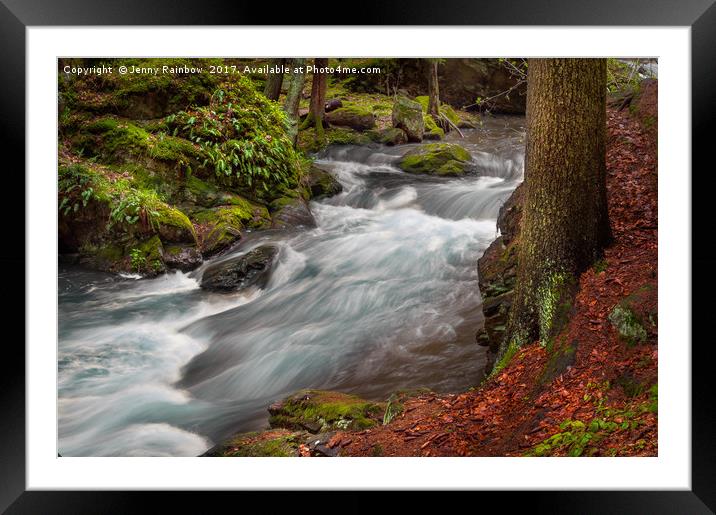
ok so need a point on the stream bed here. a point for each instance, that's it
(381, 296)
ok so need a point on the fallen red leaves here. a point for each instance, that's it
(601, 390)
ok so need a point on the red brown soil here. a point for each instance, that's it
(521, 406)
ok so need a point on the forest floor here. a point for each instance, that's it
(590, 392)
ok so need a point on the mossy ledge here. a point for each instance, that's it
(437, 159)
(320, 411)
(278, 443)
(304, 423)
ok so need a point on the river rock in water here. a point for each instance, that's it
(288, 213)
(250, 269)
(437, 159)
(182, 258)
(390, 136)
(497, 274)
(322, 184)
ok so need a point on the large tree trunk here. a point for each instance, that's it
(565, 224)
(293, 96)
(317, 107)
(272, 90)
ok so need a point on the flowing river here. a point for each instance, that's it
(381, 296)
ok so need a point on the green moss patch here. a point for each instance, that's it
(432, 131)
(437, 158)
(320, 411)
(554, 297)
(507, 356)
(143, 95)
(627, 324)
(115, 222)
(309, 142)
(445, 109)
(356, 117)
(321, 184)
(273, 443)
(223, 225)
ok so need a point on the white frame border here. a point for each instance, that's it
(670, 470)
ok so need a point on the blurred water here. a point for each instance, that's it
(382, 295)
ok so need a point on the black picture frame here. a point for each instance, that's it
(700, 15)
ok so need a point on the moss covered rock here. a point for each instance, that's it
(172, 225)
(630, 328)
(319, 411)
(437, 159)
(390, 136)
(497, 275)
(147, 256)
(143, 95)
(445, 109)
(223, 225)
(354, 117)
(114, 223)
(322, 184)
(635, 317)
(450, 114)
(308, 142)
(408, 116)
(432, 131)
(113, 140)
(205, 193)
(273, 443)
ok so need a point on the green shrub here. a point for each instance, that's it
(242, 135)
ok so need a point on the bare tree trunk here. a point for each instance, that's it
(433, 91)
(317, 108)
(293, 96)
(274, 80)
(565, 224)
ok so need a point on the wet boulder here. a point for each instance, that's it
(510, 214)
(179, 257)
(354, 117)
(390, 136)
(497, 275)
(408, 116)
(241, 272)
(437, 159)
(291, 212)
(322, 184)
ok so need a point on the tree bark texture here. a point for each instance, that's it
(317, 107)
(433, 91)
(565, 224)
(297, 79)
(272, 90)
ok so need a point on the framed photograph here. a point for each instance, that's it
(426, 256)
